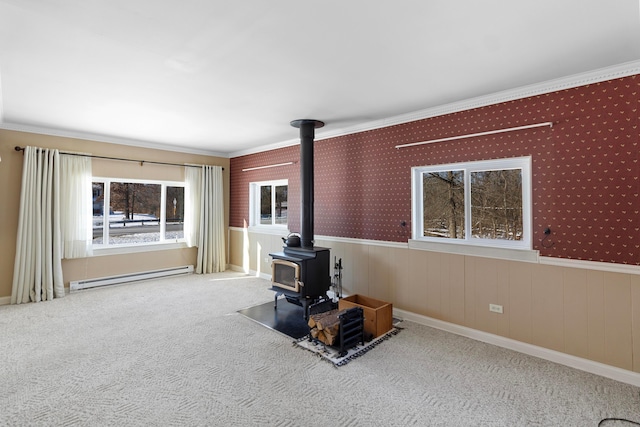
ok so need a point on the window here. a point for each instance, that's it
(136, 212)
(268, 203)
(485, 203)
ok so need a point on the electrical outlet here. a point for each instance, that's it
(495, 308)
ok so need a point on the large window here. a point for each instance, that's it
(268, 203)
(485, 203)
(136, 212)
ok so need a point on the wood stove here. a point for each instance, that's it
(302, 273)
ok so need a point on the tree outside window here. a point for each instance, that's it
(269, 203)
(486, 202)
(137, 212)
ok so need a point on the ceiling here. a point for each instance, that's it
(226, 78)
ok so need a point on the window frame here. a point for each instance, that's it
(162, 243)
(254, 204)
(417, 203)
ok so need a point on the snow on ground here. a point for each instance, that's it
(116, 219)
(171, 236)
(138, 221)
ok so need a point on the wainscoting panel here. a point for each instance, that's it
(518, 308)
(595, 318)
(617, 320)
(635, 321)
(414, 292)
(547, 308)
(380, 281)
(576, 312)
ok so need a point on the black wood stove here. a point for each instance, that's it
(302, 273)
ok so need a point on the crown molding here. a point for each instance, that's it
(103, 138)
(596, 76)
(270, 147)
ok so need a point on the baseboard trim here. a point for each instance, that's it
(237, 268)
(582, 364)
(250, 272)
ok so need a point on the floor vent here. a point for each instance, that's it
(126, 278)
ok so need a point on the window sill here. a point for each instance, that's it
(128, 249)
(526, 255)
(277, 230)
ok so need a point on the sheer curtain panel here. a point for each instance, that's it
(192, 205)
(76, 207)
(205, 211)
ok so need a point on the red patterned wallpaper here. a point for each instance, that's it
(585, 170)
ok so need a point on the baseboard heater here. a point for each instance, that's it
(126, 278)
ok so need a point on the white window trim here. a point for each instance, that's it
(109, 249)
(254, 207)
(430, 243)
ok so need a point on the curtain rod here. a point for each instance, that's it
(17, 148)
(267, 166)
(471, 135)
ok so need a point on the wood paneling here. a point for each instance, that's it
(379, 273)
(519, 307)
(595, 316)
(456, 289)
(399, 271)
(547, 307)
(486, 292)
(617, 320)
(433, 282)
(575, 312)
(635, 321)
(413, 294)
(503, 298)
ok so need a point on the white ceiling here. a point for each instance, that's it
(226, 77)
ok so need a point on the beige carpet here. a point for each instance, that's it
(175, 352)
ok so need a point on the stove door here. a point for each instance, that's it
(285, 275)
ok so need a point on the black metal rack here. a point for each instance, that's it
(351, 329)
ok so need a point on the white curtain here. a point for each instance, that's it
(76, 206)
(204, 227)
(37, 271)
(192, 209)
(40, 245)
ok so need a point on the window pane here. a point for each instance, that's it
(496, 204)
(98, 211)
(443, 200)
(265, 204)
(135, 213)
(281, 204)
(175, 213)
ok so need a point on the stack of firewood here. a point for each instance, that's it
(325, 327)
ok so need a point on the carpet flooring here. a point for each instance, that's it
(176, 352)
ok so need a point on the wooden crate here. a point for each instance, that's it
(378, 315)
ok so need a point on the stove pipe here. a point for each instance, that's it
(307, 132)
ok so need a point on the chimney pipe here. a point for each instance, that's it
(307, 133)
